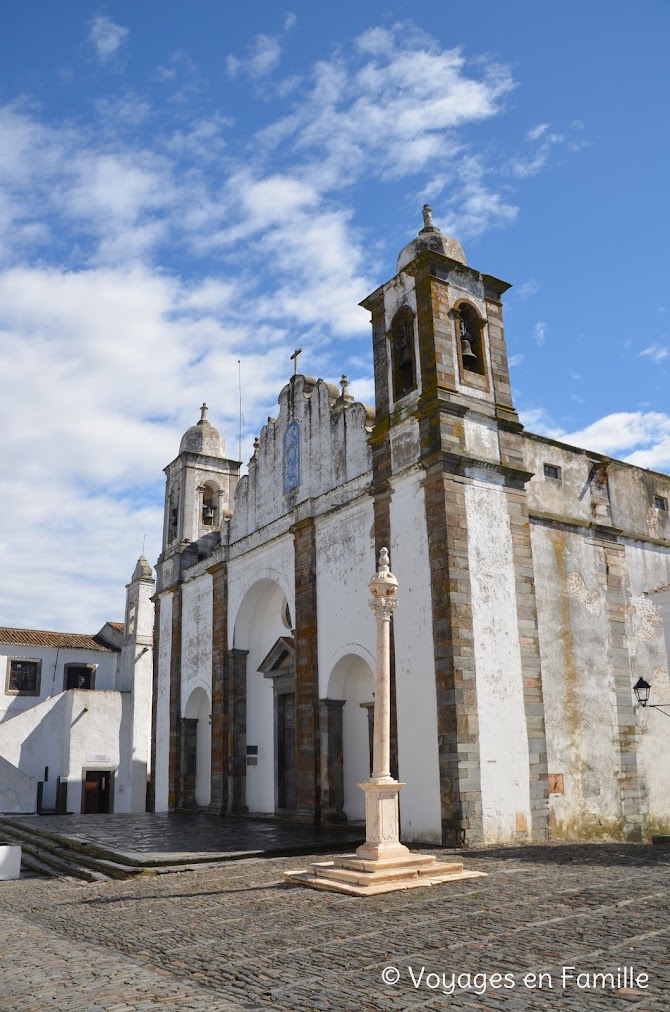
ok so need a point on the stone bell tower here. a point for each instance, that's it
(446, 428)
(200, 488)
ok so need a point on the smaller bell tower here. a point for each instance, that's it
(200, 487)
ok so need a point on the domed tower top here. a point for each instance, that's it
(430, 237)
(203, 438)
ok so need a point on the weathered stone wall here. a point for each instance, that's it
(597, 554)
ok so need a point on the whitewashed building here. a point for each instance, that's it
(75, 713)
(523, 619)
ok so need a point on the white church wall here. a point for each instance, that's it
(97, 741)
(578, 684)
(345, 565)
(418, 759)
(163, 704)
(260, 584)
(68, 733)
(346, 634)
(503, 742)
(18, 791)
(196, 643)
(33, 739)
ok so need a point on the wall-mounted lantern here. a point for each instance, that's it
(642, 690)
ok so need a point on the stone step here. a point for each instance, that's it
(373, 887)
(34, 864)
(331, 871)
(42, 846)
(61, 864)
(405, 861)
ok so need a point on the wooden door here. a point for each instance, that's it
(97, 793)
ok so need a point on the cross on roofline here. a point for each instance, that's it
(294, 359)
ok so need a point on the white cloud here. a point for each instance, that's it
(537, 132)
(290, 21)
(527, 289)
(515, 360)
(655, 352)
(106, 37)
(264, 56)
(523, 165)
(641, 438)
(540, 332)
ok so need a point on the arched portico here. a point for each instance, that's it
(197, 750)
(350, 705)
(264, 687)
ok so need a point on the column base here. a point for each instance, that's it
(357, 876)
(382, 864)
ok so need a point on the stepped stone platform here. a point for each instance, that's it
(100, 847)
(357, 876)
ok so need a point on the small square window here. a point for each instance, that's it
(552, 471)
(23, 677)
(661, 503)
(79, 676)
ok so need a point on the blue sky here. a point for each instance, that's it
(185, 185)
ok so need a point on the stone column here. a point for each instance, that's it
(220, 689)
(174, 767)
(236, 722)
(381, 790)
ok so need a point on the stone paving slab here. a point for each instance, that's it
(170, 837)
(237, 937)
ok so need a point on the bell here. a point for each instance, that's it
(468, 356)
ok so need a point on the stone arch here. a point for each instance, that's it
(210, 493)
(403, 355)
(470, 338)
(258, 625)
(351, 682)
(197, 751)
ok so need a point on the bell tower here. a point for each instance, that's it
(447, 453)
(200, 487)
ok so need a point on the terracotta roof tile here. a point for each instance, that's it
(43, 638)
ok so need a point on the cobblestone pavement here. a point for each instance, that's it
(237, 937)
(176, 834)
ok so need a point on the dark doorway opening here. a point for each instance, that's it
(97, 792)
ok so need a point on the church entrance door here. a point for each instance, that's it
(286, 772)
(97, 792)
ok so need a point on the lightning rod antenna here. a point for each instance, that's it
(239, 380)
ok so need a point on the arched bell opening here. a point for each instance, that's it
(403, 354)
(469, 327)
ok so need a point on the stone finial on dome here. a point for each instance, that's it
(430, 237)
(203, 438)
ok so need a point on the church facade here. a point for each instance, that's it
(526, 569)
